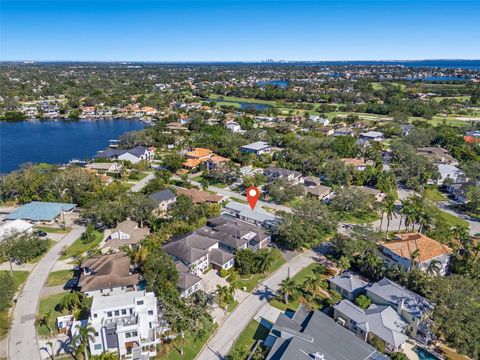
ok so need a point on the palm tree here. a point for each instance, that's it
(413, 258)
(225, 295)
(288, 288)
(43, 320)
(265, 261)
(312, 284)
(81, 339)
(434, 267)
(390, 211)
(71, 300)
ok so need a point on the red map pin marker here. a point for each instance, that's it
(252, 196)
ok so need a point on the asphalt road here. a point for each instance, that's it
(222, 341)
(140, 185)
(23, 335)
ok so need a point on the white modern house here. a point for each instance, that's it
(126, 324)
(257, 148)
(15, 227)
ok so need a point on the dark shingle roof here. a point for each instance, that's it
(161, 196)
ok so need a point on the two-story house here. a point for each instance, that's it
(348, 284)
(127, 233)
(274, 173)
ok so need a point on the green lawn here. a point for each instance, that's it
(299, 278)
(254, 279)
(191, 346)
(448, 219)
(253, 332)
(432, 193)
(53, 230)
(232, 306)
(78, 247)
(138, 176)
(229, 99)
(49, 304)
(241, 201)
(59, 277)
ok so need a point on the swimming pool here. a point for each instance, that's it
(424, 354)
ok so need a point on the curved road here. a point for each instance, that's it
(22, 339)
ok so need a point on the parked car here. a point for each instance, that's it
(40, 233)
(70, 284)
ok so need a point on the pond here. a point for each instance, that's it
(247, 105)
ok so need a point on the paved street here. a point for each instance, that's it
(220, 344)
(141, 184)
(23, 335)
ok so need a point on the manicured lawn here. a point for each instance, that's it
(232, 306)
(53, 230)
(254, 279)
(253, 332)
(49, 304)
(138, 176)
(432, 193)
(229, 99)
(449, 219)
(18, 276)
(299, 278)
(78, 247)
(191, 346)
(59, 277)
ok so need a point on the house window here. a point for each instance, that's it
(97, 346)
(95, 315)
(140, 302)
(134, 333)
(124, 312)
(109, 314)
(117, 313)
(150, 312)
(96, 333)
(128, 335)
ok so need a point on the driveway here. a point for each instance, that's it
(23, 335)
(141, 184)
(221, 342)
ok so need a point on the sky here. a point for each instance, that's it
(228, 30)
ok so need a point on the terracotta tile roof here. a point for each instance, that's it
(198, 153)
(471, 139)
(192, 163)
(408, 243)
(217, 159)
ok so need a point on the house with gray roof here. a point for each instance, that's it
(256, 148)
(257, 216)
(314, 335)
(274, 173)
(163, 199)
(413, 308)
(134, 155)
(381, 322)
(348, 284)
(187, 282)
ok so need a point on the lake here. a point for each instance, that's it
(57, 141)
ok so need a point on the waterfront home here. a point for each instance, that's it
(199, 196)
(313, 335)
(15, 227)
(348, 284)
(419, 251)
(125, 324)
(163, 200)
(256, 216)
(437, 155)
(274, 173)
(107, 275)
(105, 167)
(41, 212)
(378, 321)
(413, 308)
(257, 148)
(127, 233)
(358, 164)
(134, 155)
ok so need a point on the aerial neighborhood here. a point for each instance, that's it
(363, 242)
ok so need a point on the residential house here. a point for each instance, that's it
(450, 173)
(15, 227)
(126, 324)
(233, 127)
(372, 136)
(425, 253)
(314, 335)
(134, 155)
(472, 137)
(413, 308)
(215, 162)
(348, 284)
(127, 233)
(358, 164)
(319, 120)
(378, 321)
(107, 275)
(459, 190)
(192, 250)
(187, 282)
(107, 167)
(437, 155)
(196, 157)
(41, 212)
(163, 200)
(274, 173)
(321, 192)
(198, 196)
(311, 181)
(375, 193)
(343, 132)
(257, 148)
(257, 216)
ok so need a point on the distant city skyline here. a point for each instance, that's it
(231, 31)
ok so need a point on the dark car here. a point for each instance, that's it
(40, 233)
(70, 284)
